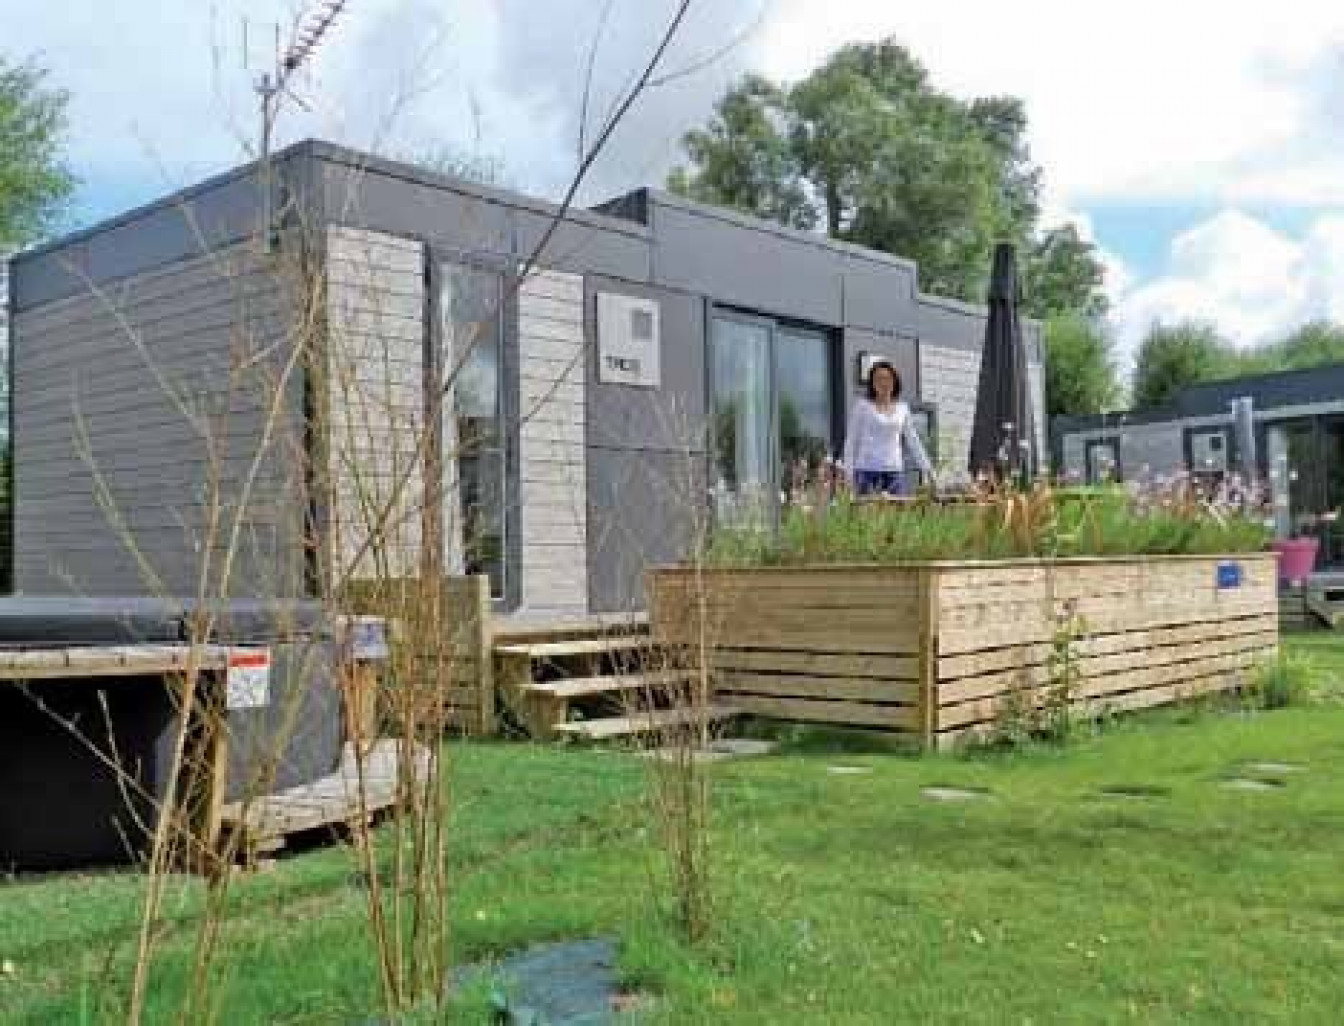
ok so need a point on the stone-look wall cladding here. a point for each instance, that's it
(949, 378)
(376, 400)
(553, 467)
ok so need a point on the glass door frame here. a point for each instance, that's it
(1314, 479)
(1330, 533)
(834, 390)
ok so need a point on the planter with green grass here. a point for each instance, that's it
(884, 622)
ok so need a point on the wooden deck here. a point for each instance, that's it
(108, 661)
(351, 795)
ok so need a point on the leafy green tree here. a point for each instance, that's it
(1080, 375)
(1174, 356)
(866, 147)
(744, 159)
(1312, 345)
(1062, 272)
(35, 183)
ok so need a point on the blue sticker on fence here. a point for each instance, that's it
(1229, 575)
(368, 639)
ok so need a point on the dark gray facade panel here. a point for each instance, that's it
(667, 419)
(198, 221)
(950, 325)
(472, 220)
(361, 198)
(102, 449)
(879, 295)
(748, 268)
(583, 249)
(644, 510)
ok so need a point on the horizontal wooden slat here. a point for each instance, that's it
(1111, 685)
(1014, 656)
(821, 664)
(893, 717)
(787, 685)
(1144, 699)
(1089, 667)
(961, 640)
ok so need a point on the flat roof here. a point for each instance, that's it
(1301, 387)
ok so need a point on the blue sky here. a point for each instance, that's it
(1204, 155)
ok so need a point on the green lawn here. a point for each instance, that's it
(844, 897)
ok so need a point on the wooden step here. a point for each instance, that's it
(642, 722)
(579, 647)
(580, 687)
(525, 630)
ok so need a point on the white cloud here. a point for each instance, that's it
(1255, 282)
(1149, 100)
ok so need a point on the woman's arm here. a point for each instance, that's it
(914, 445)
(852, 430)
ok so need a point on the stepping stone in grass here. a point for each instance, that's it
(716, 751)
(1251, 784)
(1274, 769)
(740, 746)
(944, 793)
(1135, 791)
(848, 771)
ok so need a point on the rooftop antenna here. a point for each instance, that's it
(272, 87)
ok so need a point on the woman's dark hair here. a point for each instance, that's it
(895, 377)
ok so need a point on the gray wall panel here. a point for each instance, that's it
(879, 295)
(645, 509)
(366, 199)
(748, 267)
(203, 219)
(580, 248)
(670, 418)
(102, 452)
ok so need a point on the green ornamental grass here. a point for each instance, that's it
(1042, 523)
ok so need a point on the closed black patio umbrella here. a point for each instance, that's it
(1003, 442)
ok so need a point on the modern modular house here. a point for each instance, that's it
(557, 402)
(1294, 439)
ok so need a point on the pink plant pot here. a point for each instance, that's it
(1297, 558)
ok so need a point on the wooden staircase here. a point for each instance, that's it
(592, 681)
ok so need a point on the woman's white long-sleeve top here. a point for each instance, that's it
(883, 440)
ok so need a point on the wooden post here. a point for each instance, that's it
(485, 654)
(928, 655)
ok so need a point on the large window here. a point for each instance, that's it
(473, 430)
(772, 392)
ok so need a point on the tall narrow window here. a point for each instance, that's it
(473, 430)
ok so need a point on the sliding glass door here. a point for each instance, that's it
(742, 402)
(772, 402)
(1306, 471)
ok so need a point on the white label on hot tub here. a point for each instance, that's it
(249, 679)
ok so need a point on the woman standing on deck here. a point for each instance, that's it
(881, 443)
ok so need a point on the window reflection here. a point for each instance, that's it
(470, 308)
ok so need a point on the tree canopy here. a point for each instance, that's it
(34, 180)
(866, 148)
(1174, 356)
(1079, 370)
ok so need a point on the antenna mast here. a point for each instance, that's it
(271, 88)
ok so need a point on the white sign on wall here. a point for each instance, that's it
(248, 684)
(628, 341)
